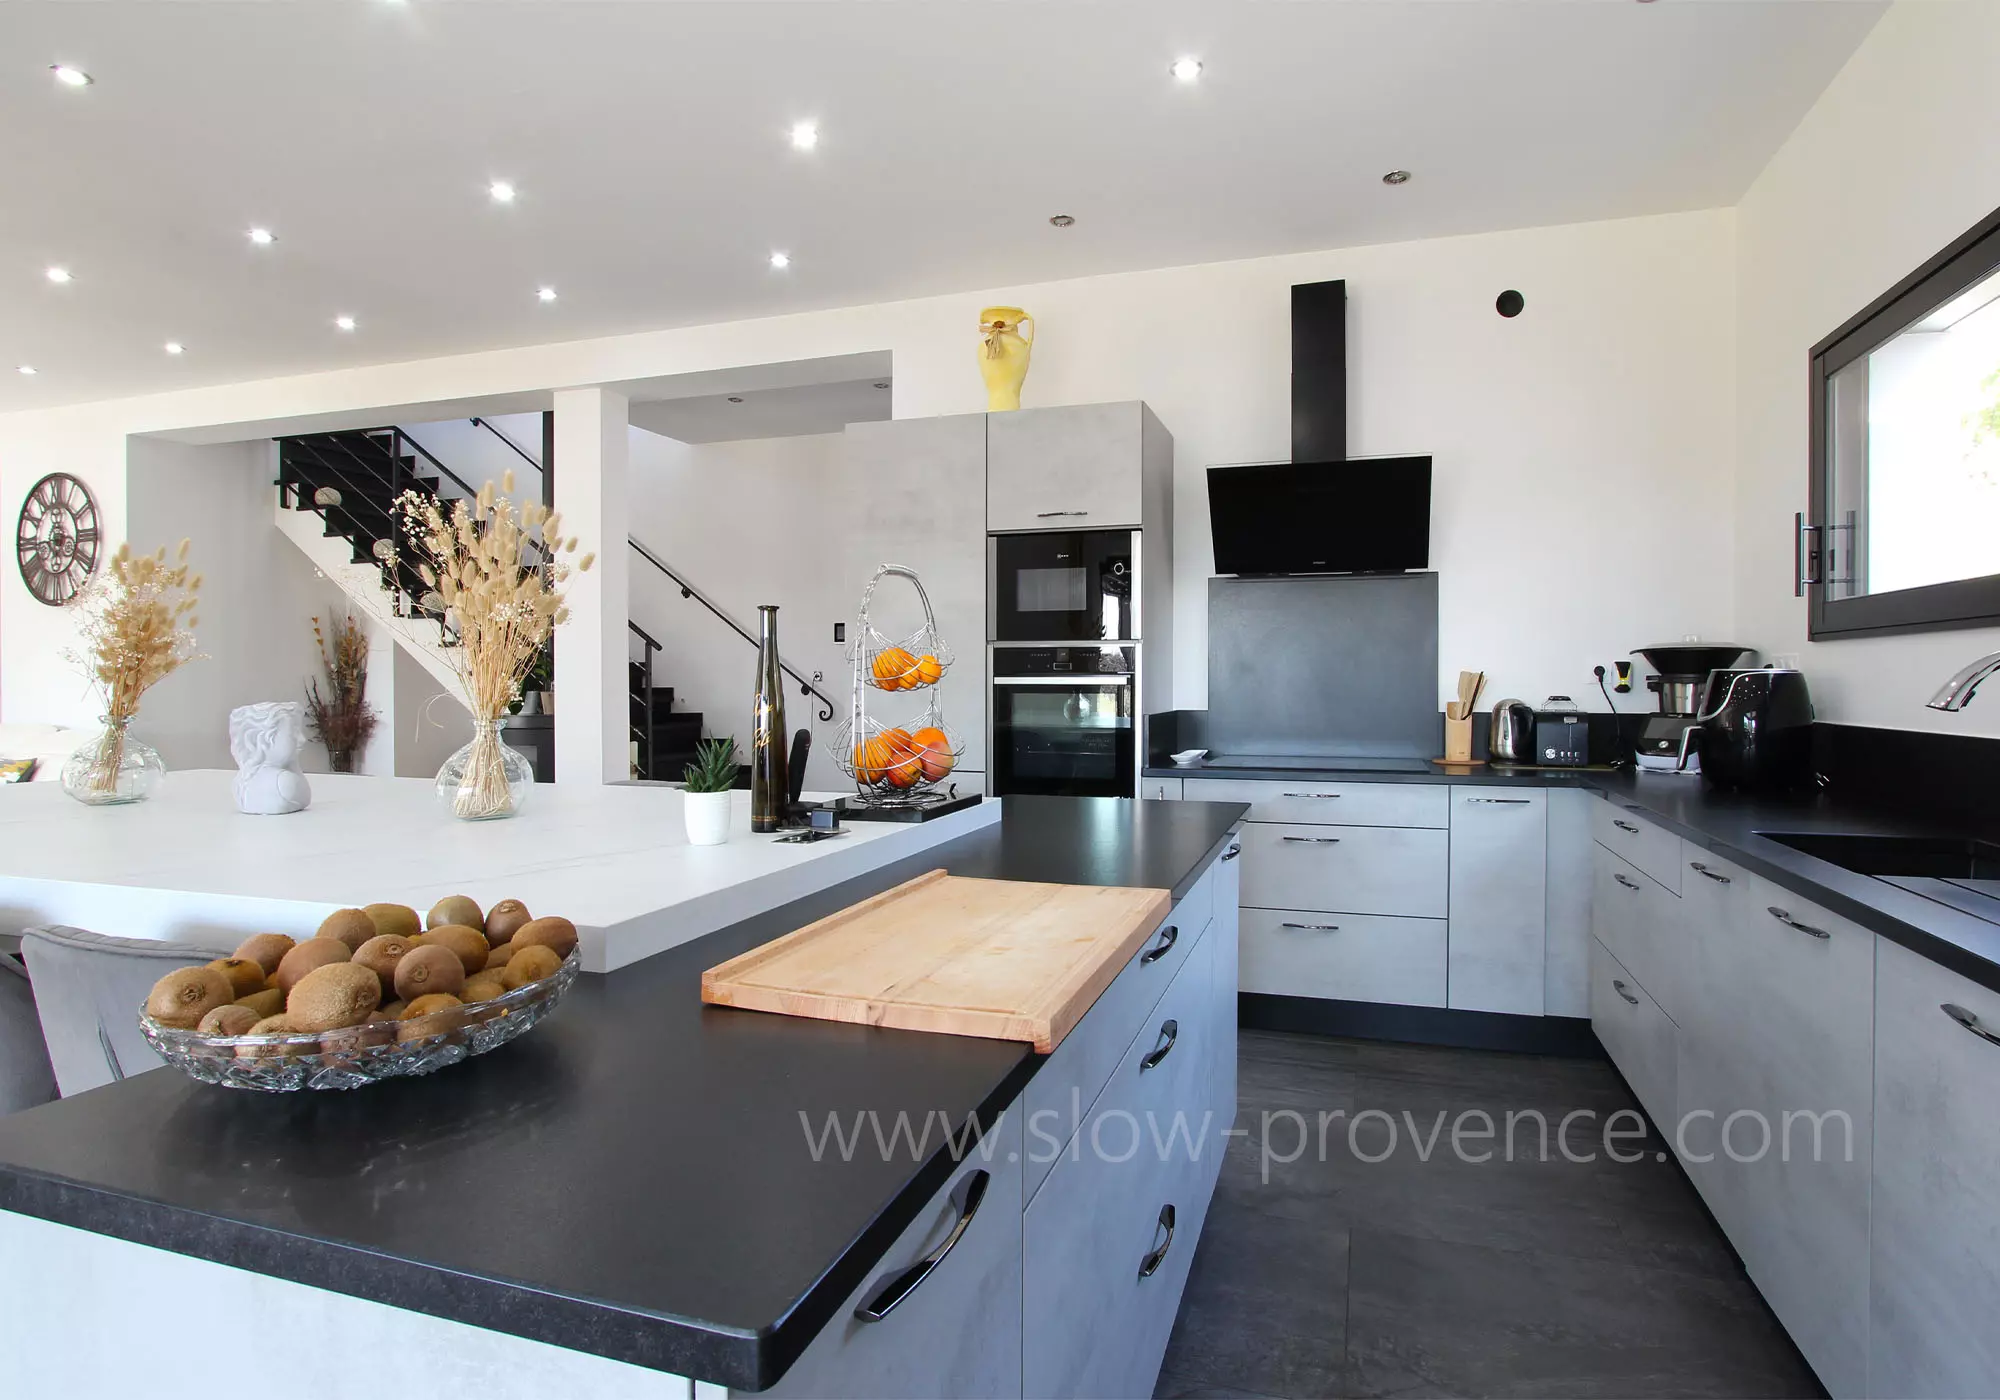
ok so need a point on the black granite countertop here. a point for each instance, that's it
(668, 1208)
(1331, 771)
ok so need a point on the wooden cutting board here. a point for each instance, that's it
(999, 959)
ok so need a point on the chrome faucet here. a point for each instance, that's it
(1957, 693)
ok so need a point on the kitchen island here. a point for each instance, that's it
(641, 1197)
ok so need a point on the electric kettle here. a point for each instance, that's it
(1512, 739)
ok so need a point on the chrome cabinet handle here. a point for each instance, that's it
(1232, 853)
(1969, 1021)
(1316, 796)
(904, 1284)
(1619, 987)
(1698, 868)
(1170, 1031)
(1150, 1265)
(1624, 825)
(1503, 801)
(1311, 928)
(1621, 879)
(1169, 936)
(1313, 840)
(1052, 514)
(1789, 922)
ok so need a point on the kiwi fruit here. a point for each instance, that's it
(351, 926)
(503, 918)
(314, 952)
(531, 964)
(185, 995)
(554, 933)
(429, 1015)
(389, 1011)
(427, 969)
(484, 987)
(498, 955)
(268, 1002)
(469, 943)
(399, 919)
(347, 1043)
(265, 949)
(245, 975)
(271, 1025)
(380, 955)
(456, 909)
(233, 1019)
(339, 994)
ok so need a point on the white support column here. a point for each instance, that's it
(593, 716)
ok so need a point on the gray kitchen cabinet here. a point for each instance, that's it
(1636, 1034)
(1566, 971)
(1331, 804)
(1636, 918)
(922, 487)
(958, 1331)
(1082, 466)
(1348, 870)
(1619, 826)
(1345, 957)
(1225, 930)
(1499, 900)
(1162, 789)
(1933, 1283)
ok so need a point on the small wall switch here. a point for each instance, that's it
(840, 631)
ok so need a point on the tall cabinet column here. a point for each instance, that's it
(593, 715)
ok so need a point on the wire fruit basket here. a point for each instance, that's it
(898, 765)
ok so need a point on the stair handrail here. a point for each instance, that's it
(688, 590)
(519, 451)
(425, 453)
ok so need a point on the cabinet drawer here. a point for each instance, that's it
(1336, 804)
(1071, 467)
(1351, 957)
(1092, 1325)
(1064, 1090)
(1348, 870)
(1161, 789)
(1635, 918)
(1637, 1035)
(958, 1332)
(1652, 848)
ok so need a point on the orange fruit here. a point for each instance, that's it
(905, 759)
(895, 669)
(934, 753)
(929, 669)
(871, 757)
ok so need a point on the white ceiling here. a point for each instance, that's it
(649, 145)
(766, 413)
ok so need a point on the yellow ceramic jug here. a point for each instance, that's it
(1003, 354)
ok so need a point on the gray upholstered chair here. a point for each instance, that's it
(25, 1076)
(89, 988)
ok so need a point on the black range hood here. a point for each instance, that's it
(1319, 371)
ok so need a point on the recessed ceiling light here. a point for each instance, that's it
(781, 261)
(805, 136)
(502, 192)
(1186, 70)
(545, 294)
(25, 369)
(344, 323)
(71, 77)
(1396, 177)
(1061, 220)
(174, 347)
(263, 237)
(58, 275)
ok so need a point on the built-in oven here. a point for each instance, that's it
(1065, 586)
(1063, 722)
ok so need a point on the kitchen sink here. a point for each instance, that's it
(1961, 873)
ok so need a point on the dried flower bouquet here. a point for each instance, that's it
(342, 719)
(136, 621)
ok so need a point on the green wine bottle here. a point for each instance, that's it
(770, 784)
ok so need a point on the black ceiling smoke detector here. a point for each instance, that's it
(1319, 372)
(1509, 303)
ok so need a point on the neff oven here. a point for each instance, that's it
(1063, 721)
(1066, 586)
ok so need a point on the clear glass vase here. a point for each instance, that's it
(113, 767)
(484, 780)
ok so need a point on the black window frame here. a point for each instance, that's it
(1972, 602)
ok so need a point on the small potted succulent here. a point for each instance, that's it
(710, 780)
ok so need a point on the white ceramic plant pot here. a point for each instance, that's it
(707, 817)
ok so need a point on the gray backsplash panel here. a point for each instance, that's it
(1324, 667)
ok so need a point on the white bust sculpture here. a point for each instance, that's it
(264, 739)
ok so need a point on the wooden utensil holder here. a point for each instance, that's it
(1458, 740)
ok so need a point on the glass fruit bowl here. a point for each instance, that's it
(358, 1055)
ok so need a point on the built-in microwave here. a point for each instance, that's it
(1064, 721)
(1065, 586)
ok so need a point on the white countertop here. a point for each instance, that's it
(615, 860)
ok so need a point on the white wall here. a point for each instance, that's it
(1899, 157)
(478, 457)
(1583, 449)
(705, 509)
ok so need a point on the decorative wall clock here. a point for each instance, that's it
(57, 540)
